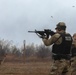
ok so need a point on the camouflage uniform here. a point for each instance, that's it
(61, 60)
(72, 68)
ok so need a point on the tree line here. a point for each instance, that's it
(38, 51)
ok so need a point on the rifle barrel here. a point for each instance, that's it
(31, 31)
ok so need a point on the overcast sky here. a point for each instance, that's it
(17, 17)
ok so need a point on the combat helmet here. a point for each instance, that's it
(61, 26)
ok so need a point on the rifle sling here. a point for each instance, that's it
(57, 39)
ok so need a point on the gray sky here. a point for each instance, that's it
(17, 17)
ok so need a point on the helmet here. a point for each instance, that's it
(61, 26)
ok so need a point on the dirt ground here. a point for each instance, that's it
(27, 68)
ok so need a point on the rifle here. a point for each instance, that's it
(43, 34)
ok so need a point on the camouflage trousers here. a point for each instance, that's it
(72, 68)
(59, 66)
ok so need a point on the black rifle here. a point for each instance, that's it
(43, 34)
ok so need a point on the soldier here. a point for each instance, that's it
(61, 42)
(72, 68)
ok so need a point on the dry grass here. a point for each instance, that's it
(29, 68)
(32, 66)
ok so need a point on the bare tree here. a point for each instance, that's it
(43, 51)
(4, 47)
(29, 50)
